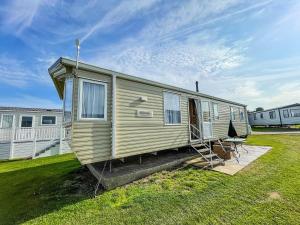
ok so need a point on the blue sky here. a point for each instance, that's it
(245, 51)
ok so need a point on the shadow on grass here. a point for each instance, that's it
(29, 193)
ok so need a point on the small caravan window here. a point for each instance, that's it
(254, 116)
(92, 103)
(172, 108)
(242, 117)
(7, 121)
(232, 113)
(216, 111)
(272, 115)
(48, 120)
(26, 121)
(68, 93)
(295, 112)
(286, 113)
(261, 115)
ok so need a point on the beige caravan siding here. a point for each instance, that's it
(91, 140)
(136, 135)
(221, 125)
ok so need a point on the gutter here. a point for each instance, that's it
(113, 116)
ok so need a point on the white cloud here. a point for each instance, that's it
(120, 14)
(15, 73)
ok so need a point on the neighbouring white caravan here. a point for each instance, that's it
(281, 116)
(31, 132)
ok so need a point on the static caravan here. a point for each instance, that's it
(30, 133)
(111, 115)
(281, 116)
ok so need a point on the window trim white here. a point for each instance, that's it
(48, 124)
(26, 115)
(13, 123)
(233, 110)
(163, 102)
(213, 111)
(81, 80)
(63, 113)
(241, 111)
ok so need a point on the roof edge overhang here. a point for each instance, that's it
(64, 62)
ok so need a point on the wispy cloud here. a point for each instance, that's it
(120, 14)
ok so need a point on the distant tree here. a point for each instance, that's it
(258, 109)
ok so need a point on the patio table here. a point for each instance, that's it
(236, 142)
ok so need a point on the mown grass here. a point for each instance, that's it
(276, 129)
(266, 192)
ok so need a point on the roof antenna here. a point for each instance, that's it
(77, 43)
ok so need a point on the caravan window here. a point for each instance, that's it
(216, 111)
(286, 113)
(261, 115)
(93, 98)
(172, 108)
(295, 112)
(7, 121)
(254, 116)
(272, 115)
(242, 117)
(232, 113)
(26, 121)
(68, 93)
(48, 120)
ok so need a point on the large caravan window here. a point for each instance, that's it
(68, 100)
(26, 121)
(242, 117)
(295, 112)
(48, 120)
(216, 111)
(92, 100)
(7, 121)
(272, 115)
(172, 108)
(286, 113)
(232, 113)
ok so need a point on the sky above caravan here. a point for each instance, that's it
(245, 51)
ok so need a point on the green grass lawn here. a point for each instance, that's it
(276, 129)
(53, 191)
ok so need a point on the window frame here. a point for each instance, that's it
(48, 124)
(13, 122)
(26, 115)
(242, 111)
(293, 114)
(213, 110)
(232, 111)
(273, 113)
(81, 80)
(163, 102)
(288, 113)
(64, 102)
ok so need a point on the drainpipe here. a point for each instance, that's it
(197, 87)
(113, 116)
(280, 117)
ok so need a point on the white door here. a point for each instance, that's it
(206, 119)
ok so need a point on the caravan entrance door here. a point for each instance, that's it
(206, 119)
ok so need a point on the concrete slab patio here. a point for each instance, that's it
(232, 166)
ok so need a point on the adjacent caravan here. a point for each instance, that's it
(111, 115)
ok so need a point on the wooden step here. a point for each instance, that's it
(202, 150)
(198, 145)
(196, 160)
(210, 155)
